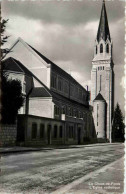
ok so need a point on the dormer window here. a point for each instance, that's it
(101, 48)
(107, 48)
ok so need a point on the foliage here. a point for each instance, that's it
(4, 37)
(118, 125)
(12, 99)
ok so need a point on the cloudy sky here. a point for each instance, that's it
(65, 31)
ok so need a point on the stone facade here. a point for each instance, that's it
(8, 135)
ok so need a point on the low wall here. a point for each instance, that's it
(8, 135)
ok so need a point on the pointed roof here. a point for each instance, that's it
(103, 29)
(99, 97)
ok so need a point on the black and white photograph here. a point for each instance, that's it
(62, 97)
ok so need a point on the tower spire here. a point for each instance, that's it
(103, 29)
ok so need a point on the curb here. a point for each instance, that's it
(53, 148)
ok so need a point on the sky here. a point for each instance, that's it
(65, 32)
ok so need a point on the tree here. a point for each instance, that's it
(10, 90)
(3, 40)
(12, 99)
(118, 125)
(4, 37)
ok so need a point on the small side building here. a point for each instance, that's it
(99, 114)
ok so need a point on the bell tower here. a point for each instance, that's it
(102, 74)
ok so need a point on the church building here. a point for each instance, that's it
(56, 108)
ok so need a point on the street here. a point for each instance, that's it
(49, 170)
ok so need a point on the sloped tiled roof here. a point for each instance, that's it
(99, 97)
(40, 92)
(65, 99)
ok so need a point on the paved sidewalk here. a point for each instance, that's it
(108, 179)
(7, 150)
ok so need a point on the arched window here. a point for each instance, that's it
(55, 131)
(107, 48)
(96, 50)
(101, 48)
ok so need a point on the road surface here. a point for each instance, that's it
(47, 171)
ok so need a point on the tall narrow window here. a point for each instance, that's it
(97, 114)
(42, 130)
(55, 131)
(107, 48)
(100, 82)
(34, 130)
(56, 110)
(66, 87)
(60, 85)
(53, 81)
(61, 131)
(96, 49)
(101, 48)
(71, 131)
(70, 111)
(63, 110)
